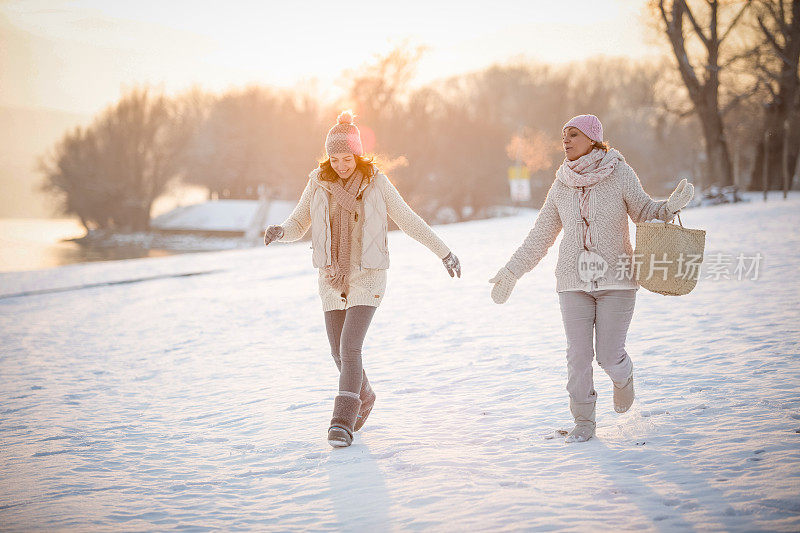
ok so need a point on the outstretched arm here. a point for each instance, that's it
(410, 222)
(299, 221)
(639, 204)
(539, 239)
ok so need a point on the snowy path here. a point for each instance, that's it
(202, 401)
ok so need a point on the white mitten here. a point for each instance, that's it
(504, 282)
(681, 196)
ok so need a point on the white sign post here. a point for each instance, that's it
(519, 183)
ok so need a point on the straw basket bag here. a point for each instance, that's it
(668, 257)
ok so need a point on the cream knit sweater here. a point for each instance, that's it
(367, 286)
(611, 202)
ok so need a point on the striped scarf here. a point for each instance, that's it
(339, 272)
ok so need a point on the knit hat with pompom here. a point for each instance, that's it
(344, 137)
(588, 124)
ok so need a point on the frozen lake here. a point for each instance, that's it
(36, 243)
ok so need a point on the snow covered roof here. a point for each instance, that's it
(224, 215)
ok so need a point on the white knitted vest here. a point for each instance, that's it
(374, 249)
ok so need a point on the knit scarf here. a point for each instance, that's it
(340, 230)
(582, 174)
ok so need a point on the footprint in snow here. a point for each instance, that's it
(648, 414)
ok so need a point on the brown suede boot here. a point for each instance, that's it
(367, 397)
(345, 412)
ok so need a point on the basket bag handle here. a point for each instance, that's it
(677, 214)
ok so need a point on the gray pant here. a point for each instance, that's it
(604, 315)
(346, 331)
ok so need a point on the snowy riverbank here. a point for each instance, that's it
(194, 391)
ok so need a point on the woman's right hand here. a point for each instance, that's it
(504, 282)
(272, 233)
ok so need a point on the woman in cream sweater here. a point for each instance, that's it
(346, 203)
(594, 193)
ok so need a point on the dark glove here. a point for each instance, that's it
(272, 233)
(452, 265)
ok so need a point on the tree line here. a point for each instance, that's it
(722, 106)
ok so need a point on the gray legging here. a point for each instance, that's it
(346, 332)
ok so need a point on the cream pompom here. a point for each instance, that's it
(345, 117)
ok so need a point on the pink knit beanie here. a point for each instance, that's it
(344, 137)
(589, 125)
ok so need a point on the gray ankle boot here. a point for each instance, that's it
(583, 413)
(624, 395)
(345, 412)
(367, 398)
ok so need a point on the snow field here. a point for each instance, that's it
(202, 401)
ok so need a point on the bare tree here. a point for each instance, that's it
(110, 174)
(252, 138)
(377, 91)
(450, 135)
(71, 170)
(776, 61)
(701, 76)
(470, 167)
(397, 122)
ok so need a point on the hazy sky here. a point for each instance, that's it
(78, 55)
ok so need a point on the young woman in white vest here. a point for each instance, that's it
(594, 193)
(346, 203)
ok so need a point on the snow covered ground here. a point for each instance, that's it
(195, 391)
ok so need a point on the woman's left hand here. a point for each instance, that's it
(272, 233)
(680, 197)
(452, 265)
